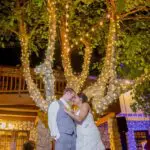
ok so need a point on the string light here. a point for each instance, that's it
(101, 101)
(74, 81)
(108, 16)
(33, 134)
(87, 35)
(33, 90)
(101, 23)
(92, 29)
(67, 6)
(45, 70)
(81, 39)
(48, 77)
(16, 125)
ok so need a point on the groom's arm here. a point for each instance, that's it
(52, 115)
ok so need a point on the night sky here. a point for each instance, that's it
(11, 57)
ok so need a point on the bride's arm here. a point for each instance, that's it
(82, 115)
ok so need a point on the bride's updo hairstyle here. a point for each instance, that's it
(83, 97)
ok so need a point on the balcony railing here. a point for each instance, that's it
(12, 81)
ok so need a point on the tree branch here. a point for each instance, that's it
(95, 26)
(73, 80)
(24, 42)
(33, 30)
(108, 71)
(136, 18)
(133, 11)
(130, 84)
(13, 31)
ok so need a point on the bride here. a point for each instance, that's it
(88, 135)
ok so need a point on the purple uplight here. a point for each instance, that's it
(121, 65)
(135, 125)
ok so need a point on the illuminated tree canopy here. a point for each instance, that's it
(117, 31)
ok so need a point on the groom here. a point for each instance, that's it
(62, 127)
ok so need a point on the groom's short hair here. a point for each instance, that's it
(69, 90)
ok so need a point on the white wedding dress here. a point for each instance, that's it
(88, 135)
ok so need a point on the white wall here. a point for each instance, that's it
(125, 102)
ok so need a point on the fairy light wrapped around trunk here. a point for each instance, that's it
(46, 69)
(74, 81)
(97, 91)
(107, 88)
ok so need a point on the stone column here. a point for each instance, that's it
(33, 134)
(115, 142)
(43, 137)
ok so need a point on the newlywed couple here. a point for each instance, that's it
(73, 130)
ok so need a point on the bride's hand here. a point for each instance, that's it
(68, 111)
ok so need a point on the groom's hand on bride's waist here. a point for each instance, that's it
(53, 137)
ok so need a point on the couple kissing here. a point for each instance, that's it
(73, 130)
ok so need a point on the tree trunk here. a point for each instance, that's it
(99, 92)
(74, 81)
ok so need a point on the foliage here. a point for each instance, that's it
(142, 97)
(82, 17)
(7, 24)
(128, 5)
(35, 17)
(132, 4)
(132, 38)
(133, 49)
(133, 59)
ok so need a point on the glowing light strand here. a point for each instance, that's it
(32, 87)
(45, 70)
(74, 81)
(97, 91)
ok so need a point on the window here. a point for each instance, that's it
(139, 137)
(10, 139)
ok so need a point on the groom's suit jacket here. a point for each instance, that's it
(59, 122)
